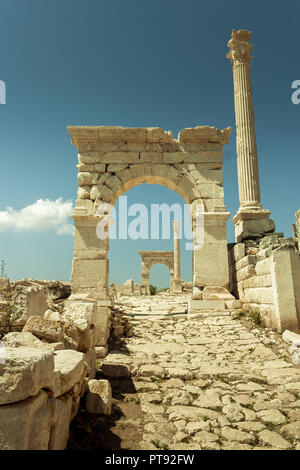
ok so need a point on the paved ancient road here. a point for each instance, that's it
(208, 383)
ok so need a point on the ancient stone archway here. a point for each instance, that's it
(149, 259)
(114, 159)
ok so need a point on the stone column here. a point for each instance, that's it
(177, 282)
(298, 226)
(251, 220)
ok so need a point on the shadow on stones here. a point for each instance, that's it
(120, 430)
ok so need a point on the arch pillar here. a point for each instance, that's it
(210, 254)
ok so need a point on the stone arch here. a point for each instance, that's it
(111, 160)
(149, 259)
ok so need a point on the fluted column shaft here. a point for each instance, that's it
(247, 161)
(176, 230)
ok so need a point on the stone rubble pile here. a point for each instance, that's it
(23, 298)
(45, 370)
(120, 325)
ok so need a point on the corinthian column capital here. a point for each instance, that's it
(240, 49)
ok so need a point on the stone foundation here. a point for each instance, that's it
(265, 276)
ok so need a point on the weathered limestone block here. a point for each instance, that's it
(204, 134)
(25, 425)
(119, 157)
(247, 260)
(81, 314)
(85, 178)
(290, 337)
(90, 363)
(70, 336)
(25, 372)
(102, 325)
(216, 293)
(52, 331)
(263, 267)
(28, 340)
(157, 135)
(86, 340)
(106, 194)
(237, 252)
(138, 171)
(86, 158)
(251, 229)
(69, 369)
(99, 397)
(113, 182)
(60, 409)
(258, 281)
(83, 207)
(246, 273)
(115, 167)
(27, 301)
(207, 273)
(100, 167)
(205, 305)
(285, 267)
(90, 276)
(259, 295)
(151, 157)
(125, 175)
(83, 167)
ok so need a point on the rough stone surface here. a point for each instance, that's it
(98, 398)
(24, 372)
(211, 382)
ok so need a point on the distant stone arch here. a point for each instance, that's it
(111, 160)
(149, 259)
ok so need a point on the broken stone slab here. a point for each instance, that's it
(99, 397)
(216, 293)
(24, 372)
(42, 328)
(28, 340)
(81, 314)
(194, 305)
(69, 369)
(52, 331)
(291, 337)
(25, 425)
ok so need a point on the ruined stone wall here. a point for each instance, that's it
(129, 288)
(26, 297)
(265, 276)
(44, 372)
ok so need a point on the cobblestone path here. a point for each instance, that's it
(212, 382)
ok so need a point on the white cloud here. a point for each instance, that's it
(42, 216)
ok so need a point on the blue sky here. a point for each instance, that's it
(135, 63)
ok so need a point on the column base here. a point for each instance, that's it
(252, 224)
(177, 286)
